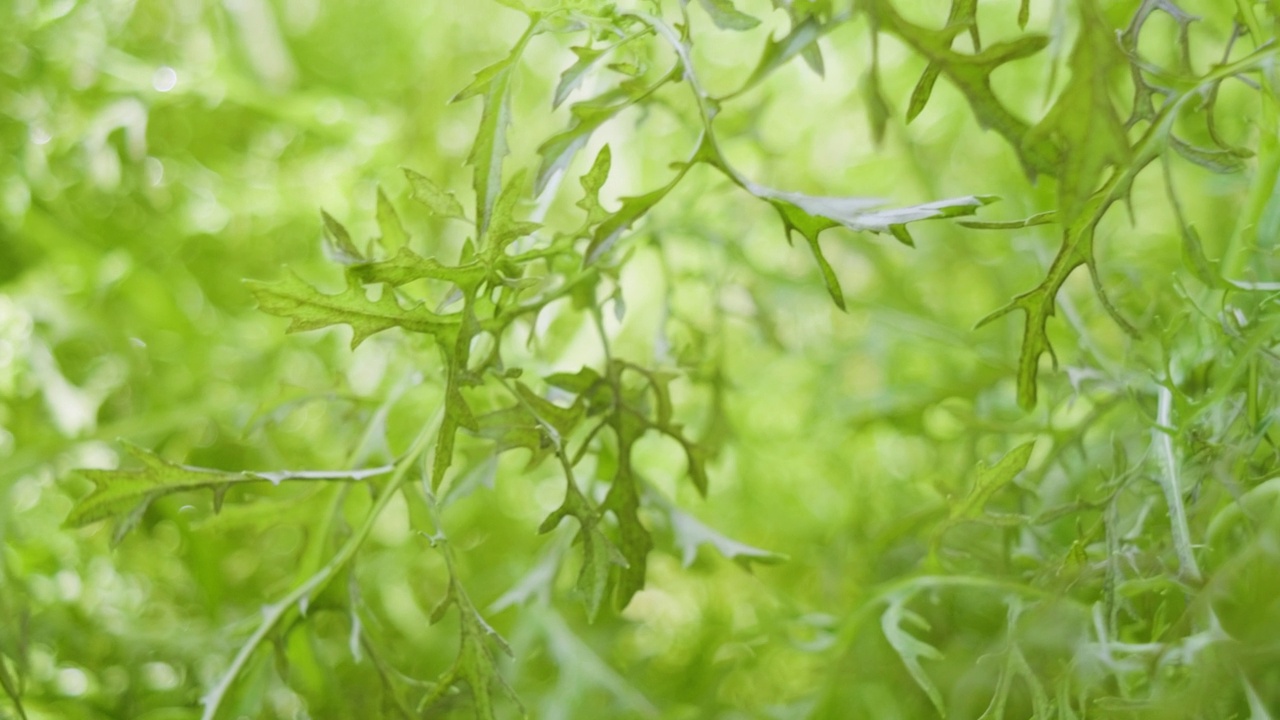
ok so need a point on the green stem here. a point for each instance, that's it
(273, 614)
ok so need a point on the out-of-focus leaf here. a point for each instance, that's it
(1216, 160)
(127, 493)
(573, 76)
(1083, 120)
(393, 236)
(591, 183)
(338, 241)
(438, 201)
(728, 17)
(990, 480)
(309, 309)
(690, 534)
(633, 208)
(910, 648)
(777, 52)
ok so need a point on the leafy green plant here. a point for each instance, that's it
(606, 337)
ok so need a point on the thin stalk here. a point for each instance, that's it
(273, 614)
(1161, 438)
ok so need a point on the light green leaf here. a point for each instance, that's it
(587, 116)
(728, 17)
(1224, 162)
(494, 85)
(338, 241)
(407, 266)
(1084, 121)
(438, 201)
(633, 208)
(309, 309)
(690, 534)
(990, 480)
(910, 648)
(777, 53)
(572, 77)
(505, 228)
(126, 494)
(924, 89)
(591, 183)
(393, 235)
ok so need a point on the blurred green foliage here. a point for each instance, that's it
(785, 510)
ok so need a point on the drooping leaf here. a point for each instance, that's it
(1216, 160)
(923, 90)
(877, 107)
(728, 17)
(309, 309)
(438, 201)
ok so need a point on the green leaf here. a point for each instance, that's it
(990, 480)
(910, 648)
(690, 534)
(393, 235)
(587, 116)
(338, 241)
(505, 229)
(126, 494)
(877, 107)
(923, 90)
(1223, 162)
(728, 17)
(591, 183)
(1084, 121)
(494, 85)
(633, 208)
(309, 309)
(777, 53)
(437, 200)
(573, 76)
(407, 266)
(599, 558)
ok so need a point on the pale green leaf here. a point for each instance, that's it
(910, 648)
(728, 17)
(393, 235)
(436, 199)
